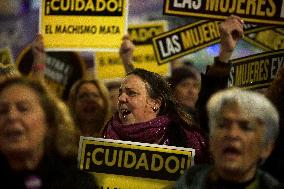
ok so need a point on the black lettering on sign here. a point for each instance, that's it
(185, 40)
(260, 11)
(84, 7)
(143, 35)
(256, 71)
(169, 46)
(191, 38)
(107, 61)
(75, 29)
(137, 161)
(57, 70)
(109, 29)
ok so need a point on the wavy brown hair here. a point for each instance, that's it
(159, 88)
(103, 93)
(62, 136)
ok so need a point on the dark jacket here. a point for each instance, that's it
(190, 137)
(53, 173)
(215, 79)
(197, 178)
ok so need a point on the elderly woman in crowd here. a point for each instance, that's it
(90, 106)
(37, 139)
(149, 113)
(243, 130)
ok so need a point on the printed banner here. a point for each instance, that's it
(109, 65)
(83, 24)
(191, 38)
(256, 71)
(126, 165)
(258, 11)
(267, 40)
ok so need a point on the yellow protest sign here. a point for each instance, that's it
(272, 39)
(191, 38)
(258, 11)
(109, 65)
(83, 24)
(256, 71)
(127, 165)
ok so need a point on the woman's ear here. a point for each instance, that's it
(156, 104)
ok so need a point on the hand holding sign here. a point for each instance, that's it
(231, 31)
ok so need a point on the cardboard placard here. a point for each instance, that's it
(272, 39)
(257, 11)
(83, 24)
(256, 71)
(109, 65)
(121, 164)
(191, 38)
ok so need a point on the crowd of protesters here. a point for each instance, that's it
(234, 132)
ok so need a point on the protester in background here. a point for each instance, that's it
(90, 106)
(243, 129)
(231, 31)
(217, 75)
(149, 113)
(38, 142)
(185, 82)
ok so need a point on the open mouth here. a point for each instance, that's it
(231, 152)
(13, 135)
(124, 112)
(89, 109)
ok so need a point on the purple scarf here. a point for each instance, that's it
(147, 132)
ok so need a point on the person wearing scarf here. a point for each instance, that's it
(148, 113)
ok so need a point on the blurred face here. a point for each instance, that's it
(23, 125)
(236, 144)
(89, 103)
(186, 92)
(134, 103)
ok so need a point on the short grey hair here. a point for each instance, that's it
(253, 104)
